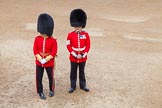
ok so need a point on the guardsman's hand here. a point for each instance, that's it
(48, 58)
(79, 56)
(39, 58)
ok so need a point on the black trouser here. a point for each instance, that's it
(73, 74)
(39, 76)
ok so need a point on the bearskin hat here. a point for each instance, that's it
(78, 18)
(45, 24)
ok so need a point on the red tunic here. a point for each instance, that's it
(44, 47)
(78, 43)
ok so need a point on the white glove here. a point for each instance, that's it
(79, 56)
(43, 61)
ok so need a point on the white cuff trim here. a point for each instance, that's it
(67, 42)
(85, 54)
(74, 54)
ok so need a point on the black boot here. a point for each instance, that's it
(42, 96)
(51, 94)
(71, 90)
(85, 89)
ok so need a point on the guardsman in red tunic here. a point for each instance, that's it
(45, 50)
(78, 45)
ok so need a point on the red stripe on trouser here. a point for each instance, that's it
(53, 80)
(36, 80)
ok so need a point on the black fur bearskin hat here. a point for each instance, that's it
(78, 18)
(45, 24)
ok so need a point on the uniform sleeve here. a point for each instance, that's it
(35, 47)
(68, 44)
(88, 43)
(54, 48)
